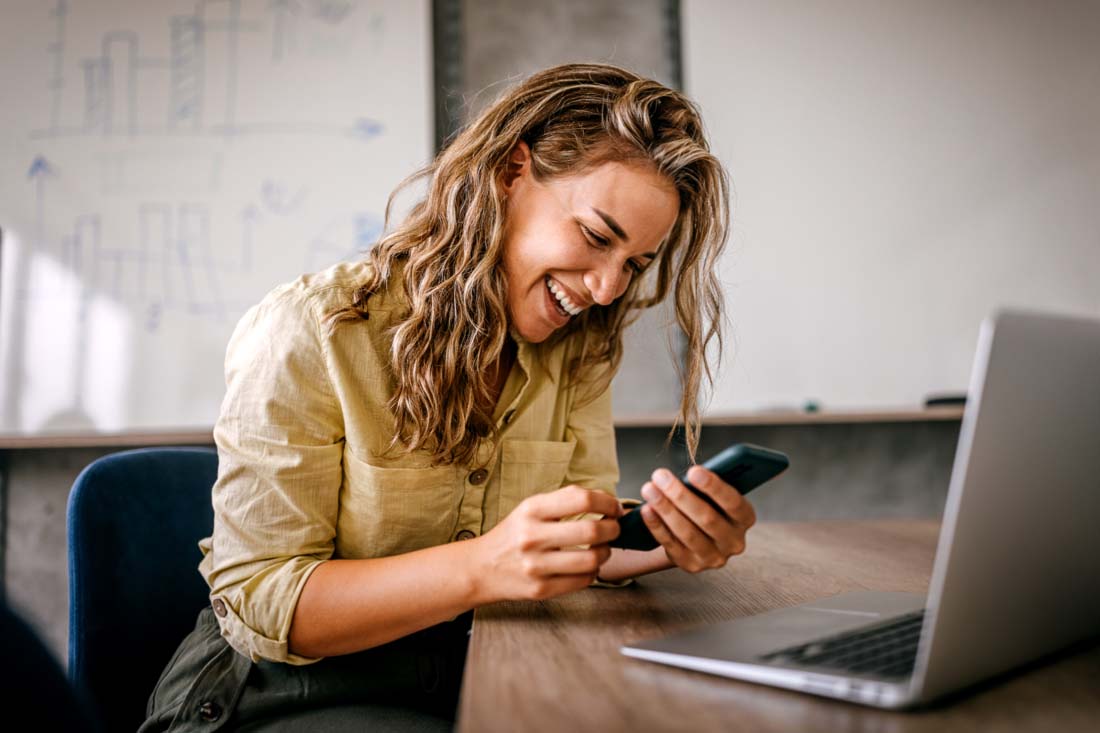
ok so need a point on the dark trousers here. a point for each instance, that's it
(409, 684)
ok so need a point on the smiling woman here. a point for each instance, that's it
(577, 156)
(454, 385)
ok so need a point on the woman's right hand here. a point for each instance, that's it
(522, 557)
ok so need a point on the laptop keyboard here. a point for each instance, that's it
(889, 650)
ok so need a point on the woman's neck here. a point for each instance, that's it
(500, 373)
(504, 364)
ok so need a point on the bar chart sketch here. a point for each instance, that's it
(192, 75)
(170, 163)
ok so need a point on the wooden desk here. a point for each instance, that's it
(555, 665)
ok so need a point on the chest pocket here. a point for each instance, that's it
(389, 511)
(529, 467)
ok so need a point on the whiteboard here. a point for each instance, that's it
(899, 169)
(166, 164)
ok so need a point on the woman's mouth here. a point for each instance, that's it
(559, 304)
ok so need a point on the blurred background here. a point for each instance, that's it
(898, 171)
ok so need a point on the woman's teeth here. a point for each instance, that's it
(562, 298)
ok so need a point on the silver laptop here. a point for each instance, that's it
(1017, 570)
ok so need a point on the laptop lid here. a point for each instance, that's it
(1017, 571)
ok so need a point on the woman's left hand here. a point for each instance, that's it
(695, 536)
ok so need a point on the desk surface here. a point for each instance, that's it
(555, 665)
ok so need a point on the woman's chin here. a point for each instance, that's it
(533, 333)
(535, 337)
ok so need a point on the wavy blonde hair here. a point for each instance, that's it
(573, 117)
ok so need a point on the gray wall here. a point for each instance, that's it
(36, 492)
(865, 470)
(843, 471)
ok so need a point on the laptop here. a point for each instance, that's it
(1017, 569)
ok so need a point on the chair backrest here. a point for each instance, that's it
(134, 522)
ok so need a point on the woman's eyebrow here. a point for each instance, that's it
(618, 230)
(612, 224)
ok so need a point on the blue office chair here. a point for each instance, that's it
(134, 522)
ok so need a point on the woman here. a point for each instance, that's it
(454, 386)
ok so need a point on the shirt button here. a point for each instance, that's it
(219, 607)
(210, 711)
(508, 416)
(465, 534)
(479, 476)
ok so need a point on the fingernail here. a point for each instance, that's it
(648, 493)
(661, 478)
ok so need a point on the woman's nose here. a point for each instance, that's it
(603, 283)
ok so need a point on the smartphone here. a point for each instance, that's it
(742, 465)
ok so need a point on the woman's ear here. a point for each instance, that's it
(518, 165)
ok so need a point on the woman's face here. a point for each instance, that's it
(583, 236)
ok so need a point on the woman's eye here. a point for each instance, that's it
(601, 241)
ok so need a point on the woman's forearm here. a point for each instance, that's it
(350, 605)
(631, 563)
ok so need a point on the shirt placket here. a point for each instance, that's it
(482, 477)
(477, 480)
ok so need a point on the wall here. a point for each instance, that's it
(899, 170)
(36, 491)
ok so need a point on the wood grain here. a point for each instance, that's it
(555, 665)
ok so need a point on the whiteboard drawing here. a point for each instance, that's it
(167, 165)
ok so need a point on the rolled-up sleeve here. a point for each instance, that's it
(280, 437)
(594, 464)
